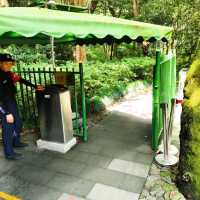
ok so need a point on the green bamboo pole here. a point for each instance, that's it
(84, 116)
(156, 102)
(165, 81)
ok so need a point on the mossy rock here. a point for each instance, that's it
(189, 166)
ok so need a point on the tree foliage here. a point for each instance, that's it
(183, 16)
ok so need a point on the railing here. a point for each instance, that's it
(72, 79)
(16, 3)
(26, 95)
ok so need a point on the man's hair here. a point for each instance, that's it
(5, 57)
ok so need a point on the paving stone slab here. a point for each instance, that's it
(104, 176)
(37, 159)
(71, 184)
(70, 155)
(42, 193)
(112, 152)
(133, 168)
(5, 166)
(104, 192)
(65, 166)
(133, 184)
(34, 175)
(99, 160)
(88, 147)
(89, 158)
(144, 148)
(143, 158)
(25, 190)
(12, 185)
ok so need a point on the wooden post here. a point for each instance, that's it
(4, 3)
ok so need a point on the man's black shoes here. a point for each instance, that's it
(15, 156)
(20, 145)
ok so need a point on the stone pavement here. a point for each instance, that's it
(113, 165)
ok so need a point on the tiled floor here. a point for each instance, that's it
(113, 165)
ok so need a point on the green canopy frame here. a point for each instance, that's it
(38, 25)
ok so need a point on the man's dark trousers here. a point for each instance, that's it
(11, 131)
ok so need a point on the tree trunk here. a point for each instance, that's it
(4, 3)
(135, 8)
(93, 6)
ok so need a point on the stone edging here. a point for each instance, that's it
(160, 186)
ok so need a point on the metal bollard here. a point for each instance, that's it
(173, 150)
(164, 108)
(166, 159)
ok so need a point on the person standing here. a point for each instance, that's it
(9, 115)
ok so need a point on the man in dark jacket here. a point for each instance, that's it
(9, 115)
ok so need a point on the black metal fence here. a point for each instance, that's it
(72, 78)
(26, 95)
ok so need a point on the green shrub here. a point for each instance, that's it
(104, 79)
(189, 166)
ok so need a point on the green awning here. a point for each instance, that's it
(37, 25)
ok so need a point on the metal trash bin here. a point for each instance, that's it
(55, 115)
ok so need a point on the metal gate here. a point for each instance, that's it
(164, 90)
(45, 76)
(26, 95)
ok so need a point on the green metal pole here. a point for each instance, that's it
(84, 116)
(76, 109)
(156, 102)
(165, 81)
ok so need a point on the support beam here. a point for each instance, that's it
(84, 116)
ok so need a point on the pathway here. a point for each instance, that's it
(113, 165)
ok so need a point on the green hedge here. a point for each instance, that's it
(111, 79)
(103, 79)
